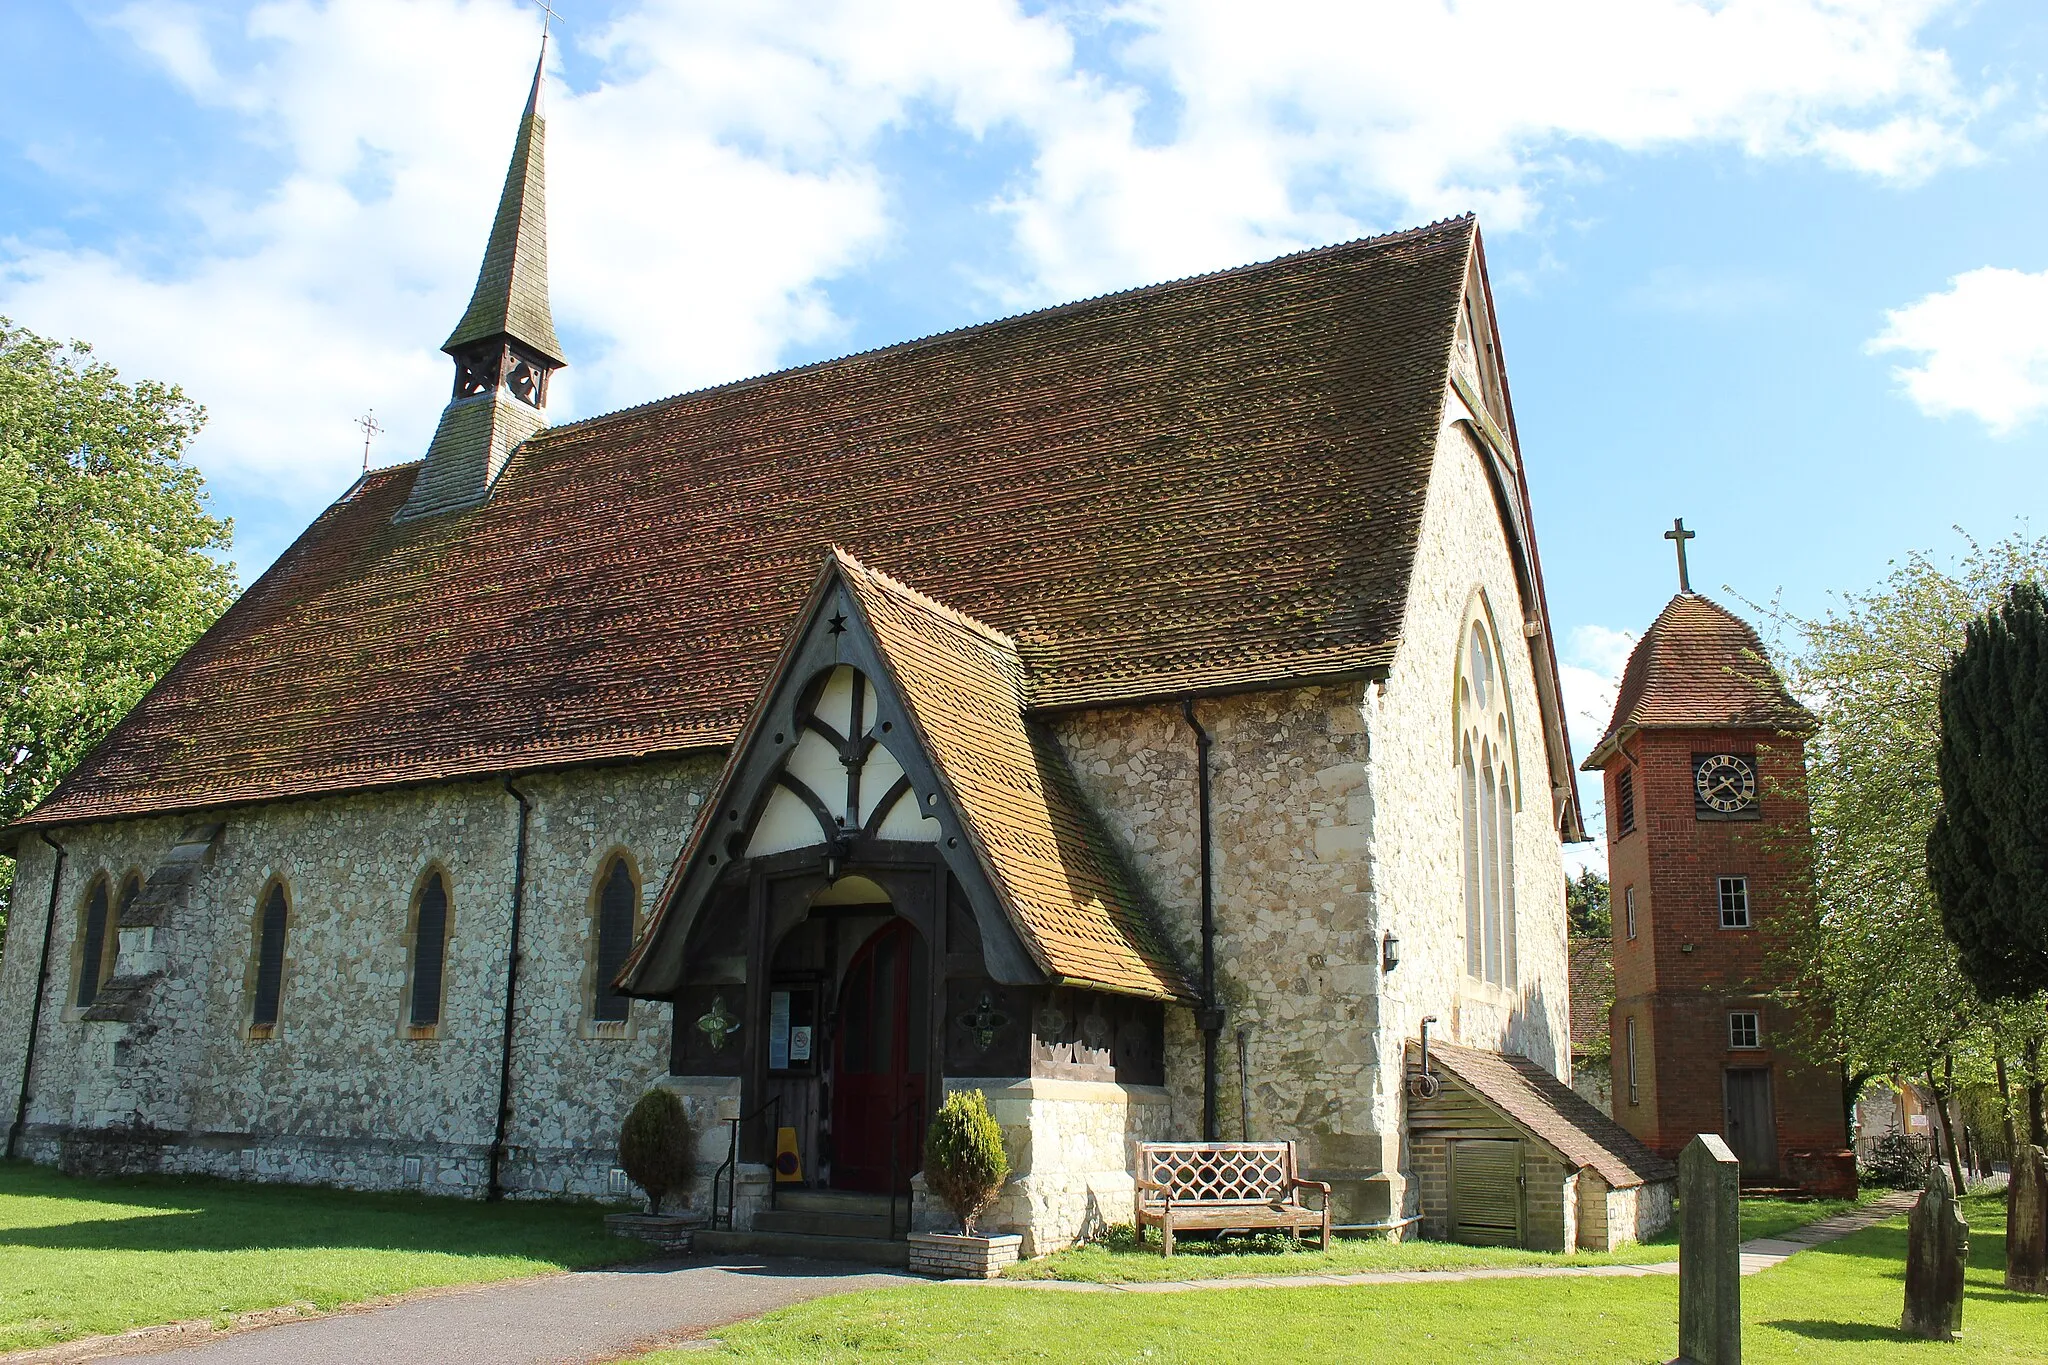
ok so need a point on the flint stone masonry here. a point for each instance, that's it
(340, 1094)
(1336, 821)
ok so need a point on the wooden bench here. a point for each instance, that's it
(1222, 1185)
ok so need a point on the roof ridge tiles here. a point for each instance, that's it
(931, 604)
(1383, 239)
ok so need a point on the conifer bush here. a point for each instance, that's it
(964, 1161)
(657, 1147)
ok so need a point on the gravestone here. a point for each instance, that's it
(1937, 1249)
(2026, 1221)
(1709, 1253)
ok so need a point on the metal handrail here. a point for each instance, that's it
(896, 1127)
(730, 1170)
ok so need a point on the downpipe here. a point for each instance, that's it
(494, 1189)
(1209, 1018)
(35, 1014)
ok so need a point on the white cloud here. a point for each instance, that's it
(1588, 672)
(730, 166)
(1983, 348)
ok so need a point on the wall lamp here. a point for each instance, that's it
(1390, 951)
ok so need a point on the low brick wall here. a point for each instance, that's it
(949, 1256)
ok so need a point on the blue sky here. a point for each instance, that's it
(1777, 266)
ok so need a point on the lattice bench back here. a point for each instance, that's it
(1219, 1172)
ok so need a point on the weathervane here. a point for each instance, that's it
(368, 422)
(1681, 535)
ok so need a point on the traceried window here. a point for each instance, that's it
(1734, 902)
(618, 906)
(1743, 1031)
(1488, 787)
(429, 952)
(96, 933)
(268, 986)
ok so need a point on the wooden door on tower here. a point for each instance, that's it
(1752, 1125)
(878, 1084)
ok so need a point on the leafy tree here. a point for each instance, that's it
(1586, 906)
(108, 567)
(1864, 939)
(1988, 852)
(657, 1146)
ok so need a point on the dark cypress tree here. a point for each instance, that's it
(1988, 854)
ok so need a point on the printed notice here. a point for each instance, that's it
(778, 1031)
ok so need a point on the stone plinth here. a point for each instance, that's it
(1709, 1253)
(666, 1231)
(1937, 1248)
(951, 1256)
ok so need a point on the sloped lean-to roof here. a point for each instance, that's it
(1542, 1105)
(1205, 486)
(1698, 667)
(1027, 834)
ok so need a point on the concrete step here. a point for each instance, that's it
(864, 1250)
(809, 1224)
(836, 1201)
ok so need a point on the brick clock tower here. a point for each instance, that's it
(1704, 766)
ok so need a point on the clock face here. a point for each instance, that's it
(1725, 783)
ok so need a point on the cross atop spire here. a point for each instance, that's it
(1681, 535)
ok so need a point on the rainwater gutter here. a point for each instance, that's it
(1209, 1018)
(494, 1188)
(35, 1014)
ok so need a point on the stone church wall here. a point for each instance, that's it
(340, 1093)
(1336, 820)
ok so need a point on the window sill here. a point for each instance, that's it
(422, 1033)
(259, 1033)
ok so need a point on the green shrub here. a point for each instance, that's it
(964, 1162)
(1897, 1161)
(657, 1147)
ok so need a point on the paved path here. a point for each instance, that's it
(1759, 1254)
(594, 1315)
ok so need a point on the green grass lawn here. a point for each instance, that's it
(81, 1257)
(1119, 1259)
(1838, 1303)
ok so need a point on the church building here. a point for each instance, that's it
(1142, 710)
(1709, 840)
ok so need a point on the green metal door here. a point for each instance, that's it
(1486, 1191)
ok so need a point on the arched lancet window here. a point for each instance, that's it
(95, 929)
(618, 910)
(1487, 789)
(429, 950)
(269, 984)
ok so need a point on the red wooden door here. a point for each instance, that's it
(877, 1084)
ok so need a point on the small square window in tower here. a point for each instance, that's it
(1743, 1030)
(1734, 902)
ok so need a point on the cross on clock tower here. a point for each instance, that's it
(1707, 835)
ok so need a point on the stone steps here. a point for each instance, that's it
(822, 1224)
(864, 1250)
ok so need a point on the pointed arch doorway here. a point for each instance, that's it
(879, 1064)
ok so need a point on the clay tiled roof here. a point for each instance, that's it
(1592, 973)
(1698, 667)
(1212, 484)
(963, 687)
(1546, 1107)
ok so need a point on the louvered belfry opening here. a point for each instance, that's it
(430, 947)
(618, 906)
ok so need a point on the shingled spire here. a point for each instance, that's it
(504, 348)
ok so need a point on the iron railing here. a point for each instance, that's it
(730, 1171)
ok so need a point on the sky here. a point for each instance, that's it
(1779, 267)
